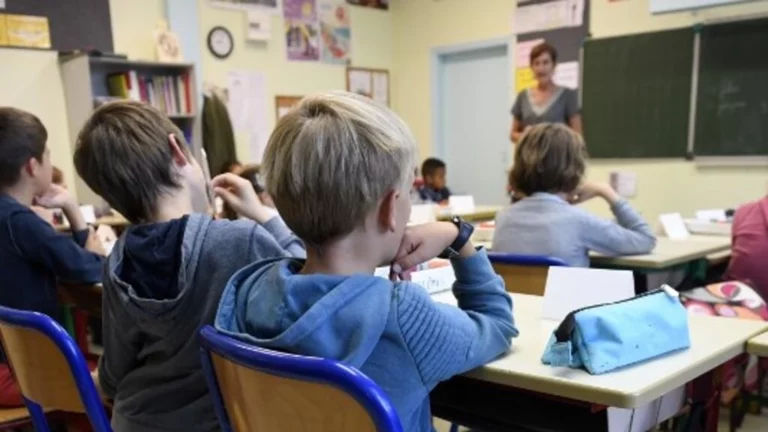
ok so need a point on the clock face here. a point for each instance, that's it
(220, 42)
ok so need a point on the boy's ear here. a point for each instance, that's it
(388, 209)
(31, 166)
(179, 158)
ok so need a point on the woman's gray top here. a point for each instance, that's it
(563, 105)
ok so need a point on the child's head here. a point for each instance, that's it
(25, 161)
(549, 158)
(57, 177)
(340, 164)
(133, 156)
(433, 171)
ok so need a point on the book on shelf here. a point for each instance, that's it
(170, 94)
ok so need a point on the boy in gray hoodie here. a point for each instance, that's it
(165, 276)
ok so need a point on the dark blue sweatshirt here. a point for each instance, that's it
(33, 257)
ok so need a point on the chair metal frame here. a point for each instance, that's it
(86, 388)
(311, 369)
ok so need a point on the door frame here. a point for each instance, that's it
(438, 55)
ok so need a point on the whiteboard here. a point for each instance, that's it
(661, 6)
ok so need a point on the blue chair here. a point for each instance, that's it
(49, 368)
(524, 274)
(258, 390)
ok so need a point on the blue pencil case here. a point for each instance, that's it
(609, 336)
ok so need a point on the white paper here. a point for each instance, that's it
(523, 52)
(89, 214)
(248, 109)
(2, 4)
(571, 288)
(660, 6)
(624, 183)
(548, 16)
(461, 204)
(271, 6)
(381, 88)
(674, 226)
(422, 213)
(646, 417)
(435, 280)
(360, 82)
(567, 74)
(717, 215)
(259, 25)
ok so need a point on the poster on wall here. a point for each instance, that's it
(335, 34)
(302, 30)
(548, 16)
(270, 5)
(378, 4)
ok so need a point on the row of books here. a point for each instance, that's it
(170, 94)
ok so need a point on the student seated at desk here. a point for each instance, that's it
(433, 172)
(548, 174)
(331, 305)
(750, 246)
(33, 255)
(166, 273)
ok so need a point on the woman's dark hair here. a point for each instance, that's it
(541, 49)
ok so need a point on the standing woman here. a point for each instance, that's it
(547, 102)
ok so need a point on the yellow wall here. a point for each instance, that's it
(133, 22)
(371, 47)
(663, 186)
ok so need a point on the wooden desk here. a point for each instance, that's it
(668, 253)
(115, 221)
(482, 213)
(714, 340)
(758, 345)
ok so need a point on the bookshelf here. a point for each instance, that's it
(170, 87)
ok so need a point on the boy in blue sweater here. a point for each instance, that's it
(165, 275)
(339, 169)
(33, 256)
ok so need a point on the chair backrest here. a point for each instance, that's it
(49, 368)
(524, 274)
(258, 390)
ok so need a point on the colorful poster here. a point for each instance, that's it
(524, 78)
(302, 30)
(27, 31)
(335, 33)
(378, 4)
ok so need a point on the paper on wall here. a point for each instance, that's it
(259, 25)
(361, 82)
(571, 288)
(524, 78)
(247, 109)
(548, 16)
(624, 183)
(523, 52)
(381, 87)
(567, 74)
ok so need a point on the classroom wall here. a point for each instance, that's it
(663, 185)
(371, 47)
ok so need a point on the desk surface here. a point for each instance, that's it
(714, 340)
(481, 213)
(668, 253)
(758, 345)
(113, 221)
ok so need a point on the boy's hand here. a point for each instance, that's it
(93, 243)
(56, 197)
(421, 243)
(238, 193)
(589, 190)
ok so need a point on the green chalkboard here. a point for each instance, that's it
(636, 94)
(732, 97)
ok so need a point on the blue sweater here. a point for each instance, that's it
(545, 224)
(394, 333)
(34, 257)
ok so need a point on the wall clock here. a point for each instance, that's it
(220, 42)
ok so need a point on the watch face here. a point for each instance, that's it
(220, 42)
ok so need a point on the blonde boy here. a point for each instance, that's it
(339, 167)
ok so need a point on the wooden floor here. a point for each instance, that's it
(751, 423)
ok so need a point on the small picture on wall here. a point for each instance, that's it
(244, 4)
(378, 4)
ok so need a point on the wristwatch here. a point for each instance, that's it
(465, 232)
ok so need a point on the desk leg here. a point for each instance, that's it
(705, 390)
